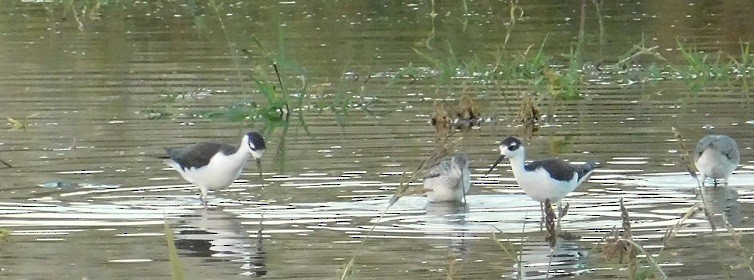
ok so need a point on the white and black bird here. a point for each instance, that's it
(449, 180)
(542, 179)
(212, 165)
(716, 156)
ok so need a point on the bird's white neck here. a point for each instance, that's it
(517, 165)
(241, 154)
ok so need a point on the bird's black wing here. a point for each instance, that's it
(558, 169)
(199, 154)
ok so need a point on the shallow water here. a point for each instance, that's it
(87, 195)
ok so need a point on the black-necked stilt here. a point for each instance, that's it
(211, 165)
(716, 156)
(542, 179)
(449, 180)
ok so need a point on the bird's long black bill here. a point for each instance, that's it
(259, 167)
(499, 159)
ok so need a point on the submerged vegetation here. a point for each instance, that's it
(277, 89)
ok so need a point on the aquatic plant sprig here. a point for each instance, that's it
(518, 258)
(687, 162)
(448, 67)
(4, 235)
(735, 243)
(600, 20)
(638, 50)
(452, 268)
(6, 163)
(176, 268)
(442, 149)
(550, 217)
(231, 46)
(20, 123)
(515, 12)
(624, 246)
(552, 233)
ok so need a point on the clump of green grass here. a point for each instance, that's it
(4, 235)
(166, 107)
(700, 67)
(562, 77)
(273, 108)
(744, 65)
(20, 123)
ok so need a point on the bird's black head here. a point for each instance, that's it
(511, 144)
(255, 143)
(509, 147)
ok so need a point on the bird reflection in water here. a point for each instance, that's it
(724, 200)
(450, 222)
(215, 234)
(564, 260)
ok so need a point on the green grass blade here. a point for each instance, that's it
(176, 269)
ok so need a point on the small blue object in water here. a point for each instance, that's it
(60, 185)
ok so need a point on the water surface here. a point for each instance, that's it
(87, 195)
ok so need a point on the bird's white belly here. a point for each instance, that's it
(714, 164)
(443, 188)
(215, 177)
(540, 186)
(218, 173)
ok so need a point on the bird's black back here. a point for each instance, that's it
(199, 154)
(558, 169)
